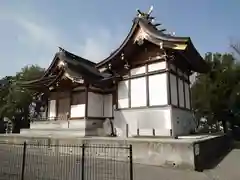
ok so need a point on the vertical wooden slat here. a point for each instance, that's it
(178, 100)
(86, 101)
(147, 86)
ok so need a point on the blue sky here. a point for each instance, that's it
(31, 30)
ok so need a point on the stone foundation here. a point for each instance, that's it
(80, 128)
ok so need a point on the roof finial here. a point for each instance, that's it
(150, 10)
(60, 49)
(146, 15)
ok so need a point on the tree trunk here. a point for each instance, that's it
(224, 123)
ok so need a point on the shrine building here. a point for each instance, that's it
(141, 89)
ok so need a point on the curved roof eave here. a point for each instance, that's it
(36, 81)
(74, 67)
(181, 44)
(158, 34)
(63, 53)
(155, 36)
(78, 58)
(194, 57)
(83, 69)
(53, 63)
(124, 43)
(39, 85)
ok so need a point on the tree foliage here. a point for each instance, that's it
(216, 95)
(15, 100)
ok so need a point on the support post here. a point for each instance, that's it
(83, 159)
(131, 162)
(24, 160)
(68, 118)
(127, 130)
(154, 134)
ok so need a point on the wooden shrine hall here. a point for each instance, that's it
(141, 89)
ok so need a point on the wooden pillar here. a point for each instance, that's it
(86, 100)
(177, 78)
(46, 108)
(129, 90)
(57, 105)
(70, 101)
(115, 97)
(147, 86)
(168, 83)
(184, 90)
(190, 93)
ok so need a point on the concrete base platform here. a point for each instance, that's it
(187, 153)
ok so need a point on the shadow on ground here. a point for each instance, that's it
(236, 144)
(210, 156)
(219, 158)
(216, 161)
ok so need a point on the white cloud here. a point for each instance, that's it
(39, 40)
(38, 34)
(100, 44)
(96, 46)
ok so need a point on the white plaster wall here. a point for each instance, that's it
(95, 104)
(108, 105)
(123, 94)
(78, 105)
(52, 108)
(145, 120)
(158, 93)
(182, 121)
(173, 84)
(139, 70)
(77, 110)
(157, 66)
(138, 92)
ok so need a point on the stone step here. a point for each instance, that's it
(61, 132)
(77, 124)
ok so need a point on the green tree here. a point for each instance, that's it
(215, 95)
(15, 100)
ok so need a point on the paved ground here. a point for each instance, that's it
(45, 164)
(228, 169)
(46, 167)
